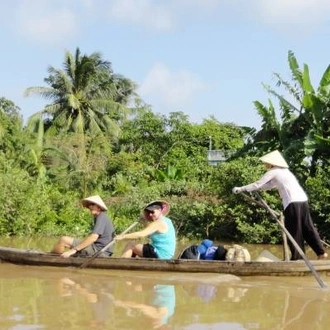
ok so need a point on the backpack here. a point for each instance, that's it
(190, 252)
(238, 253)
(220, 253)
(210, 253)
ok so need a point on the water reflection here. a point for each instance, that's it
(155, 302)
(56, 298)
(158, 308)
(312, 313)
(98, 295)
(208, 292)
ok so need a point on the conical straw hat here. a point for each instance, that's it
(274, 158)
(94, 200)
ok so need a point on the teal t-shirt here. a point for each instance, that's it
(164, 243)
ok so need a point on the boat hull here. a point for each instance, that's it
(252, 268)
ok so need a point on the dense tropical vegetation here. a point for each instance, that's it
(96, 136)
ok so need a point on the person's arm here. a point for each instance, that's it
(263, 183)
(150, 229)
(89, 240)
(91, 297)
(148, 310)
(268, 186)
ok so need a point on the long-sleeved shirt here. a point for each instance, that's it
(285, 182)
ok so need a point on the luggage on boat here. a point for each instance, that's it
(207, 251)
(238, 253)
(190, 252)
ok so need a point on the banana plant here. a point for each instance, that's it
(170, 173)
(303, 128)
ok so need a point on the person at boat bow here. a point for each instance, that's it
(102, 233)
(297, 216)
(159, 230)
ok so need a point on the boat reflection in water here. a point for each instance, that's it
(159, 308)
(50, 298)
(148, 305)
(208, 292)
(96, 295)
(155, 302)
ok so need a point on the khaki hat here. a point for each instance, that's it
(97, 200)
(158, 204)
(274, 158)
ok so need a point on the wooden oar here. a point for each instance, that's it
(87, 262)
(298, 248)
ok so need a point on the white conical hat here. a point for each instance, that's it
(274, 158)
(94, 200)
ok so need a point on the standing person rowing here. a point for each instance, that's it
(297, 216)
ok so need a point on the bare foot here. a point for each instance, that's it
(322, 256)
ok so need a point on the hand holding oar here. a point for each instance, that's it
(87, 262)
(298, 248)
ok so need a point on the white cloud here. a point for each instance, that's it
(165, 15)
(168, 88)
(55, 21)
(46, 21)
(288, 14)
(148, 13)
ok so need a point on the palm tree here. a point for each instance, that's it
(87, 101)
(86, 96)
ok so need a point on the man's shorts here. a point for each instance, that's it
(148, 251)
(89, 250)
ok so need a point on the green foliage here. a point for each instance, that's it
(9, 108)
(303, 129)
(30, 208)
(170, 173)
(318, 188)
(250, 223)
(89, 141)
(11, 130)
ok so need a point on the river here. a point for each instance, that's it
(56, 298)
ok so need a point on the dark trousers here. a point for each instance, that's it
(299, 223)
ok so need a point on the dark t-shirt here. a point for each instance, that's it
(103, 226)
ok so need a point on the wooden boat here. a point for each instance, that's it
(252, 268)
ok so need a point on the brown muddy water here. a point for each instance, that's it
(65, 298)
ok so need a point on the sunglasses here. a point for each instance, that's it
(150, 212)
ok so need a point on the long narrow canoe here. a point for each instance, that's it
(252, 268)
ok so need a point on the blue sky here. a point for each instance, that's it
(202, 57)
